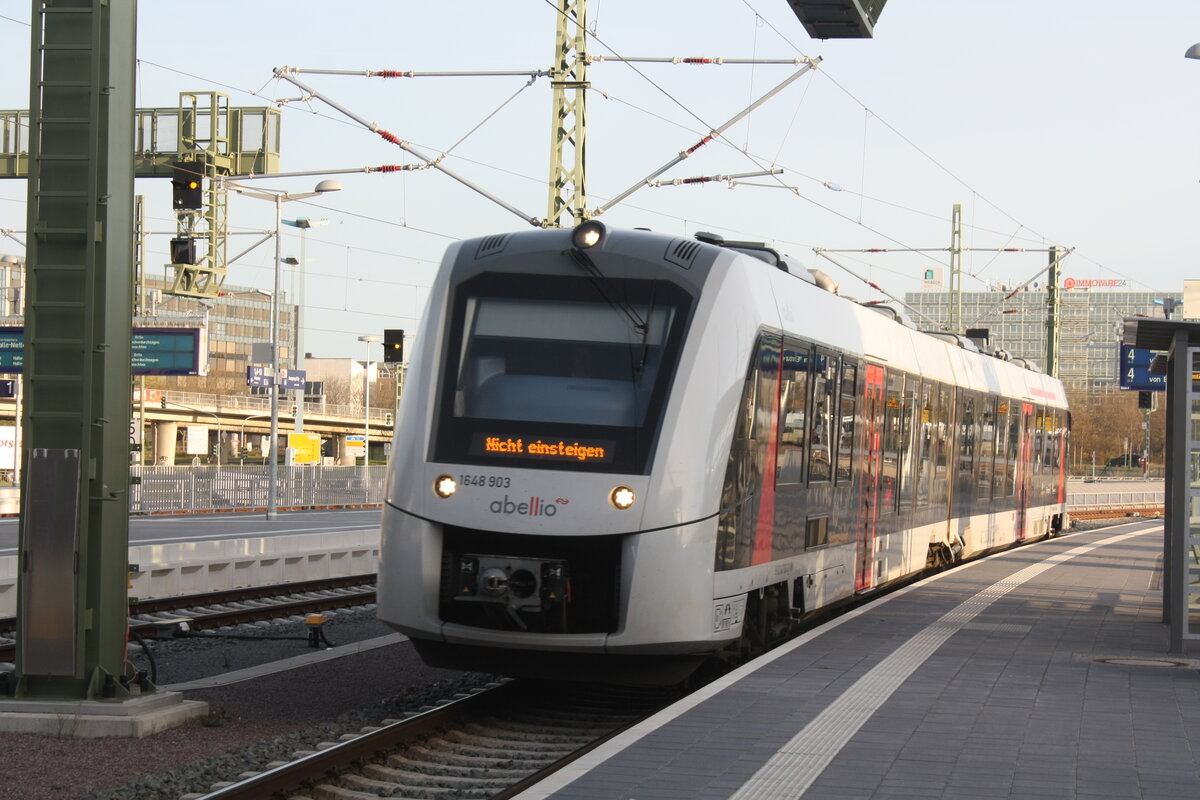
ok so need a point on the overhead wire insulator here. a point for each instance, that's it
(388, 136)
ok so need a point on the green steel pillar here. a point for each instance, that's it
(568, 125)
(74, 534)
(1053, 312)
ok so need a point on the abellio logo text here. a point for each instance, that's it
(533, 507)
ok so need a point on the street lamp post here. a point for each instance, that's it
(278, 197)
(367, 400)
(303, 223)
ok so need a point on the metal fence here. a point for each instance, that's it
(241, 403)
(182, 490)
(1113, 497)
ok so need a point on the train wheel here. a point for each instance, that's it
(768, 622)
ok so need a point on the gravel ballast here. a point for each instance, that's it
(250, 723)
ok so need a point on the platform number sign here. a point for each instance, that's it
(1133, 371)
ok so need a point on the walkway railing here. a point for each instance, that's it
(1112, 497)
(185, 490)
(252, 404)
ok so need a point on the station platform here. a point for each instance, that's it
(1041, 672)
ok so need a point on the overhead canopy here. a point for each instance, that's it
(838, 19)
(1158, 334)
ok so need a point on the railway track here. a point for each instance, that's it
(153, 618)
(490, 744)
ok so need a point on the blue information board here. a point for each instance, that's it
(258, 376)
(12, 349)
(154, 351)
(165, 351)
(1133, 370)
(288, 378)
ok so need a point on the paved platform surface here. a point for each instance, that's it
(1038, 673)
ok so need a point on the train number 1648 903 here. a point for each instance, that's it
(495, 481)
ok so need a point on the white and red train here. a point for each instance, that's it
(620, 452)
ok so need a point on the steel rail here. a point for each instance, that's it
(581, 719)
(181, 607)
(288, 779)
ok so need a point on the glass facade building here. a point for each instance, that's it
(1089, 325)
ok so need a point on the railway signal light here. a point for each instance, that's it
(183, 251)
(187, 186)
(393, 346)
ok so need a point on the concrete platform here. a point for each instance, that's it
(95, 719)
(1042, 672)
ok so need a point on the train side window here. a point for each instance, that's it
(846, 422)
(986, 450)
(824, 397)
(1056, 443)
(744, 474)
(893, 418)
(793, 401)
(1013, 449)
(816, 532)
(968, 434)
(1039, 440)
(942, 430)
(909, 442)
(997, 471)
(944, 408)
(924, 442)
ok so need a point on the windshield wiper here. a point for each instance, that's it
(584, 261)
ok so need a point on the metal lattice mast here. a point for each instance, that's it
(205, 122)
(955, 324)
(568, 124)
(1053, 312)
(74, 530)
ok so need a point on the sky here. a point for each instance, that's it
(1071, 123)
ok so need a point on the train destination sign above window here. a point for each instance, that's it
(153, 351)
(542, 448)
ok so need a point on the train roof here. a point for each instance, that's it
(882, 332)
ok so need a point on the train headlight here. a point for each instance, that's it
(444, 486)
(588, 234)
(622, 497)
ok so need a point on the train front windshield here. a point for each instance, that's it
(555, 372)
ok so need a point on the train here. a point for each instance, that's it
(626, 453)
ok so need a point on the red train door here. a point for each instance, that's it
(1024, 467)
(864, 574)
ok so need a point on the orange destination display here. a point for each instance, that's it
(550, 448)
